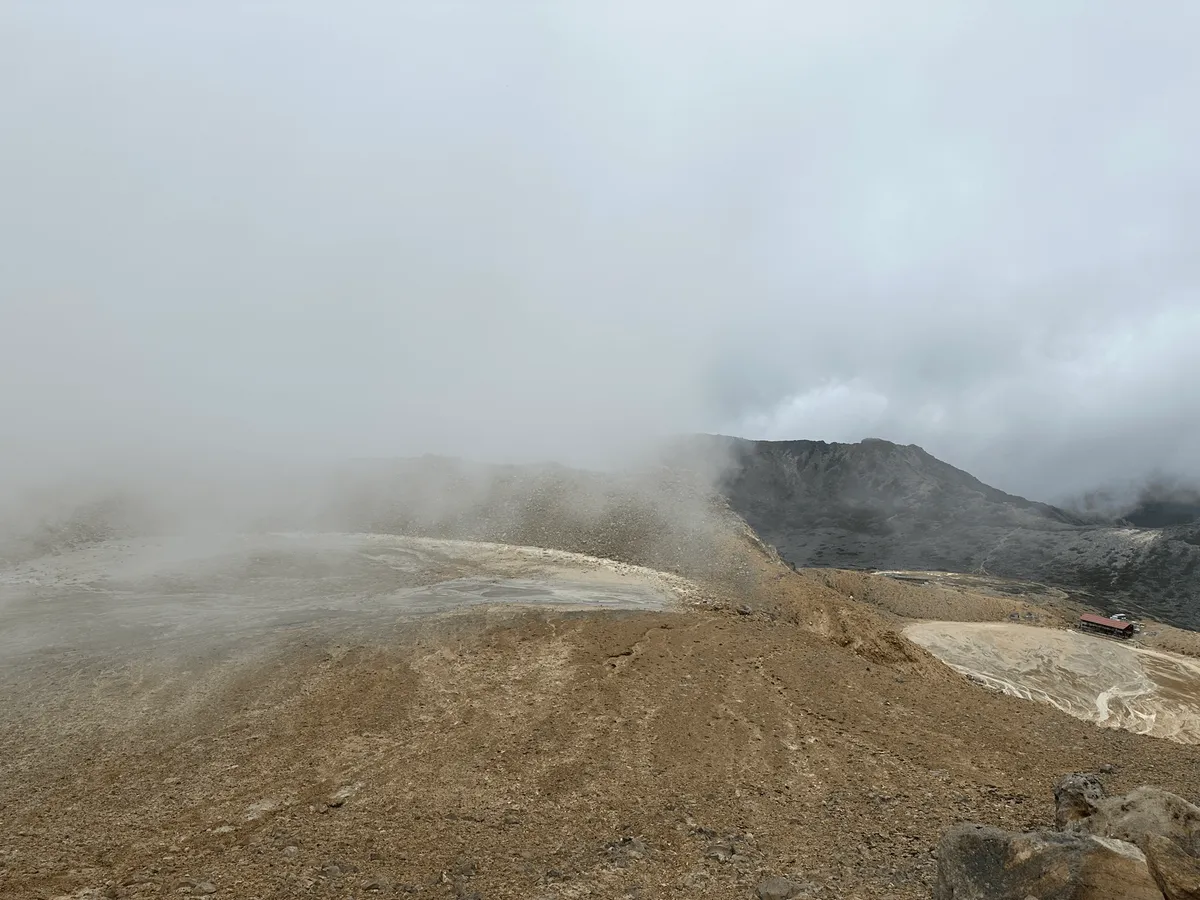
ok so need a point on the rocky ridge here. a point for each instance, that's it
(879, 505)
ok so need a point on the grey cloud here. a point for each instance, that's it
(560, 230)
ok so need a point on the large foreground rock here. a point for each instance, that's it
(1176, 873)
(1142, 812)
(978, 862)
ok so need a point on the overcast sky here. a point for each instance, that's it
(521, 229)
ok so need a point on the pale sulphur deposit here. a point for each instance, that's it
(1111, 683)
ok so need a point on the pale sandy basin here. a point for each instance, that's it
(1100, 680)
(139, 594)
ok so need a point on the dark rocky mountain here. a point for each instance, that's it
(885, 506)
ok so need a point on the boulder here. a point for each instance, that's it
(1075, 798)
(1176, 873)
(1143, 811)
(977, 862)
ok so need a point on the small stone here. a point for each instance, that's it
(1107, 769)
(291, 850)
(778, 888)
(341, 795)
(694, 880)
(465, 868)
(744, 610)
(375, 884)
(722, 852)
(204, 888)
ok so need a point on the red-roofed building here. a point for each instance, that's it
(1104, 625)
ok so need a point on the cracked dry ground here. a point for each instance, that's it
(523, 754)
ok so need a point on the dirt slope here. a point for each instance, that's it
(532, 754)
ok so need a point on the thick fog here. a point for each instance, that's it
(559, 230)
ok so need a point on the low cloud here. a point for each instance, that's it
(1159, 500)
(523, 233)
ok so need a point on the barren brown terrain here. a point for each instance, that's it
(760, 724)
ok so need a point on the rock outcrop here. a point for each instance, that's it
(881, 505)
(1144, 845)
(1176, 873)
(1075, 798)
(1133, 817)
(978, 862)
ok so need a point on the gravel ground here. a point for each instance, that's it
(762, 723)
(782, 730)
